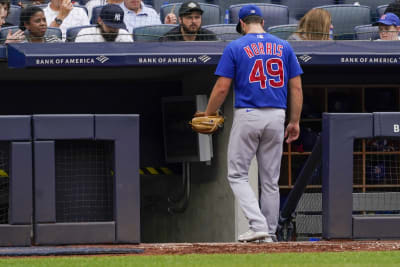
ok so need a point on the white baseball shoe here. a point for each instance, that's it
(250, 236)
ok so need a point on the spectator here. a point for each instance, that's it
(15, 37)
(314, 25)
(137, 14)
(32, 20)
(111, 27)
(389, 27)
(189, 28)
(394, 8)
(93, 3)
(5, 5)
(62, 14)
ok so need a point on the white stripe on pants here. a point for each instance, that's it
(257, 132)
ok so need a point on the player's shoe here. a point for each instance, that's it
(268, 239)
(250, 236)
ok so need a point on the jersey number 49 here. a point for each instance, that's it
(273, 73)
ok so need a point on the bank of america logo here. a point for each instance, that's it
(204, 58)
(102, 59)
(305, 58)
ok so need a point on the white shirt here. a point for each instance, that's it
(146, 16)
(398, 38)
(77, 17)
(93, 34)
(93, 3)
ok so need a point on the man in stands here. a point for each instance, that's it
(189, 28)
(394, 7)
(138, 14)
(62, 14)
(111, 27)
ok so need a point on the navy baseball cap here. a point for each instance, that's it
(388, 19)
(248, 10)
(113, 16)
(189, 7)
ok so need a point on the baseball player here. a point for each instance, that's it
(263, 68)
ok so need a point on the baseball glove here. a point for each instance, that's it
(206, 124)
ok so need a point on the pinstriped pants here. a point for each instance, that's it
(257, 132)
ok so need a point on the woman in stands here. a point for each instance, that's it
(315, 25)
(15, 37)
(33, 22)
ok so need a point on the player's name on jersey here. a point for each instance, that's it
(260, 48)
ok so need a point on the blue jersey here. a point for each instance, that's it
(261, 66)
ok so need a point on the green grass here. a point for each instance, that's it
(386, 258)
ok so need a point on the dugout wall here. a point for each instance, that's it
(16, 181)
(85, 198)
(338, 135)
(135, 83)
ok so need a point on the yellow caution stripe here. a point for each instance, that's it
(3, 173)
(155, 171)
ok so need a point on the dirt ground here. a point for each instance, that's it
(280, 247)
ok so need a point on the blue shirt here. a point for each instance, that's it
(146, 16)
(261, 66)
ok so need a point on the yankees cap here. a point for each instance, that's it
(388, 19)
(189, 7)
(247, 10)
(113, 16)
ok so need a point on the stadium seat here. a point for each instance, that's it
(366, 32)
(151, 32)
(73, 32)
(84, 8)
(158, 3)
(273, 14)
(346, 17)
(13, 16)
(297, 8)
(225, 32)
(27, 2)
(211, 15)
(50, 31)
(83, 2)
(282, 31)
(373, 4)
(380, 10)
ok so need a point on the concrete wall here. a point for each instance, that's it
(212, 213)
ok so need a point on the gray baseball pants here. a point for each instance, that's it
(260, 133)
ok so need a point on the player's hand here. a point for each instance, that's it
(15, 37)
(65, 9)
(292, 132)
(170, 19)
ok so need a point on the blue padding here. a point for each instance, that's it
(15, 128)
(387, 124)
(114, 54)
(55, 127)
(124, 131)
(191, 53)
(338, 133)
(21, 206)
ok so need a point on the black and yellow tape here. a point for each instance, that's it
(3, 173)
(155, 171)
